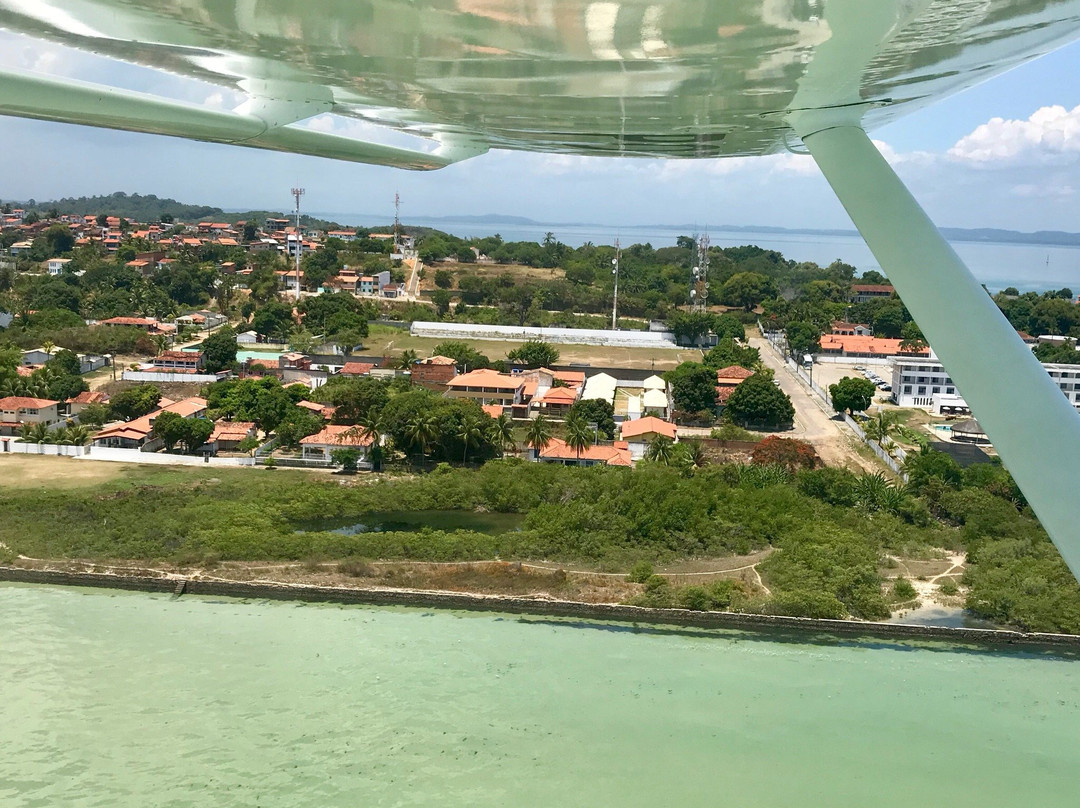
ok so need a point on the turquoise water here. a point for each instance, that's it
(491, 523)
(128, 699)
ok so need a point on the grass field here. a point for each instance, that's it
(385, 340)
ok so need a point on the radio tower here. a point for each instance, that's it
(397, 224)
(699, 283)
(297, 193)
(615, 297)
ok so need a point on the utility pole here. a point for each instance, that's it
(615, 298)
(297, 193)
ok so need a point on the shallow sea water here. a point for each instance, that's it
(129, 699)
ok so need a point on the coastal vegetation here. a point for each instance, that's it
(827, 534)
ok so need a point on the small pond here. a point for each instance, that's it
(385, 521)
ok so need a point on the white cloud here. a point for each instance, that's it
(1051, 135)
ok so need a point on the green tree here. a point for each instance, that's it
(803, 338)
(882, 426)
(758, 401)
(689, 326)
(422, 430)
(594, 410)
(661, 450)
(579, 436)
(94, 415)
(728, 325)
(441, 298)
(470, 432)
(727, 352)
(852, 395)
(693, 386)
(197, 431)
(502, 433)
(465, 356)
(134, 402)
(444, 279)
(912, 337)
(927, 465)
(539, 433)
(219, 350)
(346, 457)
(534, 354)
(171, 428)
(746, 289)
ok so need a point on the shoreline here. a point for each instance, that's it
(774, 624)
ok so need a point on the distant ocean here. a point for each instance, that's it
(1028, 267)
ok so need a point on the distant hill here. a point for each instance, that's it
(136, 207)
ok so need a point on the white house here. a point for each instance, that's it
(335, 436)
(56, 266)
(247, 338)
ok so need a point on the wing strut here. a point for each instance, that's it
(1033, 426)
(31, 95)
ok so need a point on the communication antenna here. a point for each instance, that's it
(699, 285)
(615, 298)
(397, 223)
(297, 193)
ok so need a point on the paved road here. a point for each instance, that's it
(813, 423)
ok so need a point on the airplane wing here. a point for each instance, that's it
(651, 78)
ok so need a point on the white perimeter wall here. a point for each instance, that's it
(562, 336)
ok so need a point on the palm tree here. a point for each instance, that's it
(35, 433)
(371, 426)
(48, 346)
(881, 426)
(578, 436)
(538, 435)
(502, 433)
(78, 435)
(420, 430)
(406, 360)
(471, 430)
(661, 450)
(694, 452)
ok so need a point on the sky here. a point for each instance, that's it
(1002, 154)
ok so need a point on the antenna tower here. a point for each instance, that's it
(615, 297)
(397, 223)
(699, 282)
(297, 193)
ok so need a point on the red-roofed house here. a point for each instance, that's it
(228, 435)
(79, 403)
(727, 379)
(357, 368)
(486, 387)
(494, 410)
(16, 411)
(138, 433)
(336, 436)
(179, 361)
(862, 292)
(866, 347)
(615, 454)
(322, 410)
(640, 432)
(556, 401)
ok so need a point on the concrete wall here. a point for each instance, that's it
(799, 628)
(562, 336)
(136, 456)
(147, 376)
(15, 447)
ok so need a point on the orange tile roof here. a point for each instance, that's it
(611, 455)
(880, 346)
(357, 368)
(648, 424)
(89, 397)
(559, 395)
(25, 403)
(141, 427)
(494, 410)
(872, 287)
(338, 435)
(438, 360)
(486, 378)
(735, 372)
(231, 430)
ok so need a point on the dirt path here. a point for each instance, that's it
(813, 423)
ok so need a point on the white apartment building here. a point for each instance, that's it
(923, 382)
